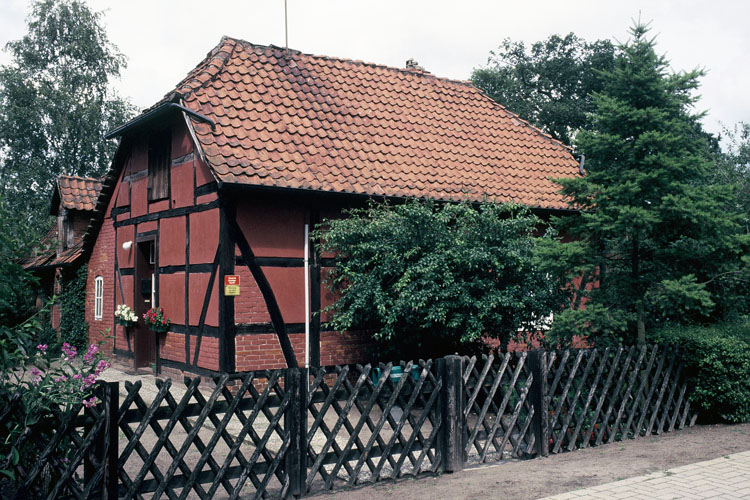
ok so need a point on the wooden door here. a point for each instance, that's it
(145, 339)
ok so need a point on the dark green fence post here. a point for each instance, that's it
(112, 407)
(452, 424)
(295, 422)
(103, 454)
(538, 397)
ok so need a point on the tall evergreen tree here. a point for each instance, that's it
(56, 104)
(654, 237)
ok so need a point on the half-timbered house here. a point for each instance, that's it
(59, 255)
(224, 176)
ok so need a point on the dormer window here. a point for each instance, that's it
(158, 166)
(65, 235)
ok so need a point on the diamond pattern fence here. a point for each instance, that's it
(293, 432)
(372, 423)
(498, 412)
(597, 396)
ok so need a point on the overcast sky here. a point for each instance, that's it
(164, 40)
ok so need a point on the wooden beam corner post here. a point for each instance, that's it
(452, 424)
(227, 330)
(295, 421)
(539, 401)
(315, 277)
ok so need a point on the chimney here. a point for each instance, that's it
(413, 65)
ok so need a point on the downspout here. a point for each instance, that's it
(307, 299)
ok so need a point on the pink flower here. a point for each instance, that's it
(89, 380)
(77, 376)
(88, 403)
(36, 375)
(42, 347)
(61, 378)
(68, 350)
(101, 366)
(89, 356)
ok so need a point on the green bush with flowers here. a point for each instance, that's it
(37, 390)
(156, 320)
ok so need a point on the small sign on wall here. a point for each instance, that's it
(231, 285)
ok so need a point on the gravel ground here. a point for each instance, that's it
(540, 477)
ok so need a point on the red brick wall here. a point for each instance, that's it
(101, 263)
(249, 306)
(262, 351)
(172, 346)
(337, 348)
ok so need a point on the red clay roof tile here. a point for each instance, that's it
(78, 193)
(287, 119)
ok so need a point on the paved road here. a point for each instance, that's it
(725, 478)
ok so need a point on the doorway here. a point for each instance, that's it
(145, 298)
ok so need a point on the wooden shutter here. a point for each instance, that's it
(158, 166)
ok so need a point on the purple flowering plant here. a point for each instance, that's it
(46, 386)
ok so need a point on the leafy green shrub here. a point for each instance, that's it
(48, 336)
(73, 326)
(717, 361)
(430, 279)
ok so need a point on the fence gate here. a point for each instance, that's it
(372, 423)
(498, 413)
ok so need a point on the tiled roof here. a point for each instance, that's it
(293, 120)
(47, 257)
(78, 193)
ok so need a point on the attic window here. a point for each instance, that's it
(158, 166)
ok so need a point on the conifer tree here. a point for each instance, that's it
(655, 241)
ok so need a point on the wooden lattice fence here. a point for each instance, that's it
(282, 433)
(498, 413)
(596, 396)
(372, 423)
(229, 444)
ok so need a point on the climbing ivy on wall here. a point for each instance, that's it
(73, 326)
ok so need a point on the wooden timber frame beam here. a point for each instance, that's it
(225, 254)
(277, 320)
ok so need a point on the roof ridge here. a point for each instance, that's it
(406, 71)
(71, 176)
(207, 66)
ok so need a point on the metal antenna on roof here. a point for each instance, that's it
(286, 30)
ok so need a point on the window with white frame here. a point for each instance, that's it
(98, 297)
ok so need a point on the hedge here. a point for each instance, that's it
(717, 362)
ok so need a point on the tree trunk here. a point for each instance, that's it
(641, 323)
(639, 307)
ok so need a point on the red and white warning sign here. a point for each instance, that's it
(231, 285)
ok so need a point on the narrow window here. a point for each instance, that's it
(158, 166)
(98, 297)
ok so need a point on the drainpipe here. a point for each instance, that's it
(307, 300)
